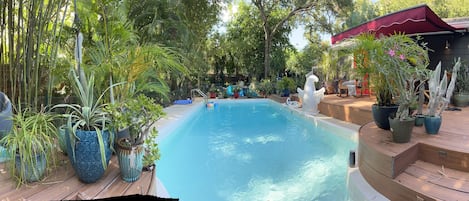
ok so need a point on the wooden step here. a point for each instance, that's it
(435, 181)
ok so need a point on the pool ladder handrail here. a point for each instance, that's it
(200, 92)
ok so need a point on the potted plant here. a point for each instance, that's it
(30, 145)
(213, 91)
(5, 115)
(236, 91)
(409, 62)
(285, 85)
(138, 115)
(371, 60)
(265, 87)
(88, 139)
(440, 94)
(461, 93)
(152, 152)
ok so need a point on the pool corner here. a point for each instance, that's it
(359, 189)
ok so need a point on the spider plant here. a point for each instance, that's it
(30, 145)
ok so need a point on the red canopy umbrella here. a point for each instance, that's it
(416, 20)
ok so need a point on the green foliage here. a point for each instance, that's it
(335, 64)
(120, 49)
(444, 8)
(152, 152)
(286, 83)
(405, 62)
(369, 53)
(139, 114)
(182, 25)
(266, 87)
(29, 44)
(462, 80)
(32, 134)
(395, 65)
(363, 11)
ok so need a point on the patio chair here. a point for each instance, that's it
(342, 88)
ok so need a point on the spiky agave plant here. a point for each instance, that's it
(89, 114)
(440, 90)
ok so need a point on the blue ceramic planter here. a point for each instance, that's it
(381, 115)
(31, 173)
(130, 162)
(5, 115)
(87, 161)
(432, 124)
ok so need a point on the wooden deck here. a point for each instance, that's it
(62, 184)
(347, 108)
(429, 167)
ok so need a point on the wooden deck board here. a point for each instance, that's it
(62, 184)
(442, 179)
(91, 190)
(147, 178)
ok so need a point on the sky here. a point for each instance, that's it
(297, 38)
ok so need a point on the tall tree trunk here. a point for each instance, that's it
(269, 31)
(267, 47)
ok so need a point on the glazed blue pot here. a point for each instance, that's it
(87, 159)
(130, 161)
(381, 115)
(5, 115)
(31, 173)
(432, 124)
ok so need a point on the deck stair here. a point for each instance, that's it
(434, 182)
(429, 167)
(195, 91)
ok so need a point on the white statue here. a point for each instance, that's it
(309, 97)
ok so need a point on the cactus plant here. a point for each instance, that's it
(440, 90)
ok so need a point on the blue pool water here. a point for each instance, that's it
(253, 150)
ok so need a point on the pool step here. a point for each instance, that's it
(434, 181)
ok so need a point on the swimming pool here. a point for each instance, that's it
(253, 150)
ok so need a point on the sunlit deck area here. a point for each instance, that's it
(62, 184)
(429, 167)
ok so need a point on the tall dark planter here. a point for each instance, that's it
(401, 130)
(285, 93)
(432, 124)
(87, 162)
(5, 115)
(130, 161)
(381, 115)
